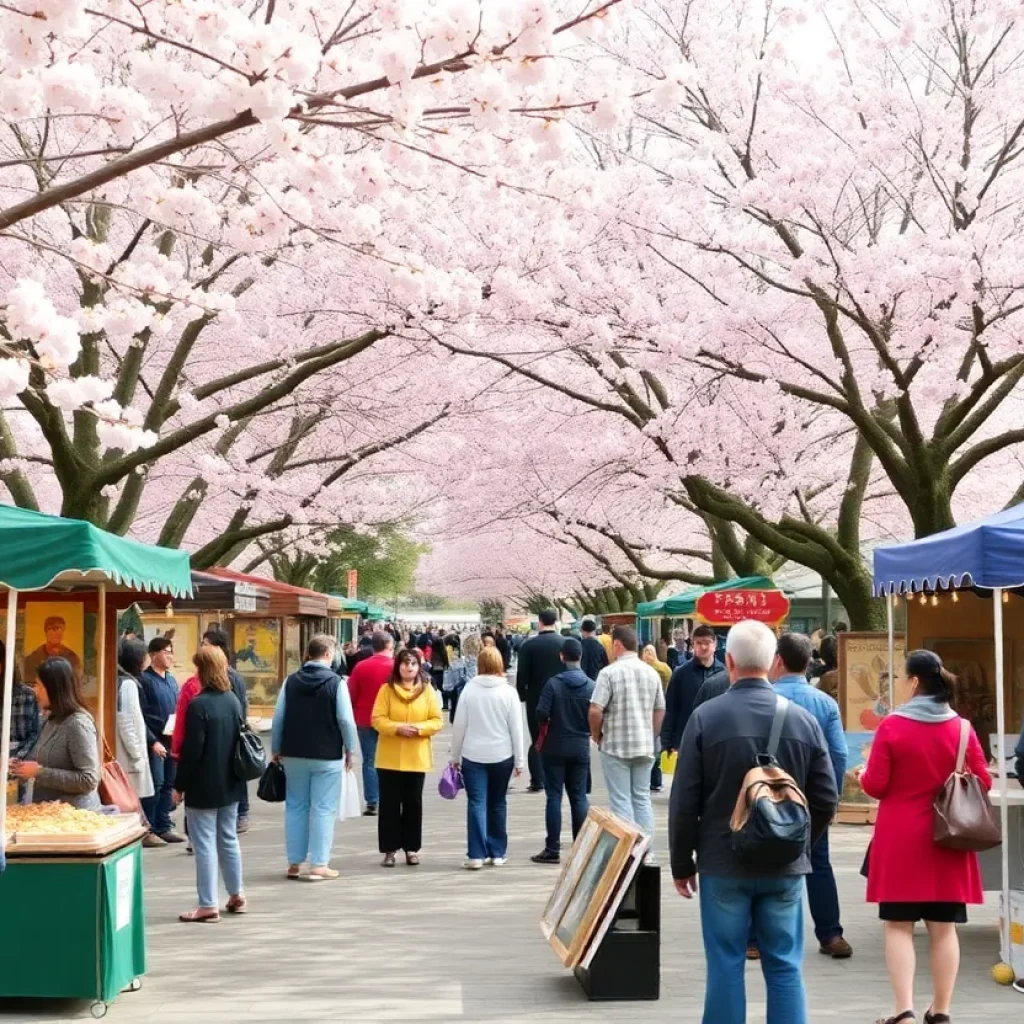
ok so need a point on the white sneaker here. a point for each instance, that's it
(499, 862)
(487, 860)
(473, 865)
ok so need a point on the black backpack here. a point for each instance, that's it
(771, 825)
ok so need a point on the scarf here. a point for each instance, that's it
(926, 709)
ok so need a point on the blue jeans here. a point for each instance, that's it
(629, 788)
(657, 779)
(311, 808)
(215, 841)
(158, 807)
(368, 737)
(570, 774)
(486, 807)
(822, 894)
(773, 907)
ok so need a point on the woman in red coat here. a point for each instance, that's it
(909, 877)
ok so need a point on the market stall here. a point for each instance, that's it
(962, 589)
(655, 619)
(213, 601)
(71, 880)
(268, 644)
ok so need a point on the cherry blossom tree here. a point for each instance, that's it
(208, 208)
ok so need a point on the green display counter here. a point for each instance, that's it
(73, 927)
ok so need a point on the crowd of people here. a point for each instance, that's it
(386, 697)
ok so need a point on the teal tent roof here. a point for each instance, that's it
(37, 550)
(374, 611)
(685, 603)
(350, 604)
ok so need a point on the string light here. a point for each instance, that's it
(1006, 597)
(935, 600)
(956, 597)
(924, 599)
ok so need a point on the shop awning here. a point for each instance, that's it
(375, 612)
(989, 554)
(284, 598)
(683, 604)
(38, 550)
(350, 604)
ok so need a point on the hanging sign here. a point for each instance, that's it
(726, 607)
(353, 583)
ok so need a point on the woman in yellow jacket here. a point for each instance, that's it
(406, 714)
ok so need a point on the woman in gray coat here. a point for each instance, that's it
(66, 761)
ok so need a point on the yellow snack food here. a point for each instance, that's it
(55, 817)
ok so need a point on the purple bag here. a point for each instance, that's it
(451, 782)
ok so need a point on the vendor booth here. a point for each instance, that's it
(654, 619)
(268, 645)
(963, 597)
(213, 601)
(71, 881)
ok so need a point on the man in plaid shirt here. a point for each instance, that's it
(626, 712)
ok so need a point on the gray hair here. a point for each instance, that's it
(752, 646)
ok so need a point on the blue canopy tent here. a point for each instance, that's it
(987, 555)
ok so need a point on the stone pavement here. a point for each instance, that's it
(439, 944)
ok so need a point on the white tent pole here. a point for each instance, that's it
(1004, 810)
(101, 666)
(5, 731)
(892, 653)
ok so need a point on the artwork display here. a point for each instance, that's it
(53, 629)
(182, 631)
(586, 885)
(973, 662)
(864, 692)
(257, 647)
(858, 749)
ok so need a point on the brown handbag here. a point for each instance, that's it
(964, 819)
(115, 789)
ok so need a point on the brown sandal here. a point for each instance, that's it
(412, 859)
(200, 915)
(237, 905)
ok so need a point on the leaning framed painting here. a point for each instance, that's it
(599, 856)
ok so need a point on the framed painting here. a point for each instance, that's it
(53, 629)
(864, 698)
(602, 859)
(973, 662)
(568, 877)
(182, 631)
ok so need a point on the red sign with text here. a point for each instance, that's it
(726, 607)
(353, 583)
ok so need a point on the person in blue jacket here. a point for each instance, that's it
(562, 713)
(789, 673)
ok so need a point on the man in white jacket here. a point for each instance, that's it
(488, 743)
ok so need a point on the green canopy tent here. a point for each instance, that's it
(39, 552)
(683, 605)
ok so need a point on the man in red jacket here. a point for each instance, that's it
(364, 683)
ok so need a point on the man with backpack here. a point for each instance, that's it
(754, 788)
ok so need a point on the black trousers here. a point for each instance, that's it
(400, 812)
(533, 760)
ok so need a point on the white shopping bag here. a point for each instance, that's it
(350, 805)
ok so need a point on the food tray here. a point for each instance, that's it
(124, 828)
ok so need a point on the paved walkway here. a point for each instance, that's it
(438, 944)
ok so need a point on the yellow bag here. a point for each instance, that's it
(668, 762)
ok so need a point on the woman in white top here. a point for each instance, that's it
(132, 746)
(488, 742)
